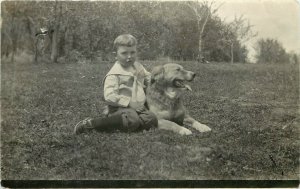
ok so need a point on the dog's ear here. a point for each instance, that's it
(157, 73)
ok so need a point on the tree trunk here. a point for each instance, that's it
(54, 46)
(201, 28)
(231, 52)
(31, 30)
(15, 40)
(200, 54)
(15, 36)
(55, 35)
(35, 51)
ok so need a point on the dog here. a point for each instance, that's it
(164, 98)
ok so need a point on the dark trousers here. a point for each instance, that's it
(135, 120)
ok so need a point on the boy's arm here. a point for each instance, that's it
(147, 78)
(111, 92)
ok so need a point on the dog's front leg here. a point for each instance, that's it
(171, 126)
(189, 121)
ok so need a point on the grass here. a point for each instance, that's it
(253, 111)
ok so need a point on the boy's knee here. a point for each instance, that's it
(131, 120)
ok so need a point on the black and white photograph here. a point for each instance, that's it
(150, 90)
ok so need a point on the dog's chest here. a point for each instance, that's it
(175, 115)
(169, 110)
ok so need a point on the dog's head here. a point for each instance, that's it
(172, 76)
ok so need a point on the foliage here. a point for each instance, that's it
(218, 39)
(294, 58)
(271, 51)
(237, 33)
(203, 11)
(163, 29)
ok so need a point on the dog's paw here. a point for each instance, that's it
(185, 131)
(201, 127)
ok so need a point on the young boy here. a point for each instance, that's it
(124, 93)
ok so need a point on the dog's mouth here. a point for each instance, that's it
(178, 83)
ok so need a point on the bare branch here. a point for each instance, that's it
(203, 10)
(216, 9)
(194, 8)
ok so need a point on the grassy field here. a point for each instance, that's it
(253, 111)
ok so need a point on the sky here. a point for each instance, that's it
(278, 19)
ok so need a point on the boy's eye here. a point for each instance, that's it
(177, 69)
(127, 53)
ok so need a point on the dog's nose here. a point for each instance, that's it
(193, 75)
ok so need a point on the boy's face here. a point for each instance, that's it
(126, 55)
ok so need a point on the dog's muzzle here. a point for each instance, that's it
(191, 76)
(180, 84)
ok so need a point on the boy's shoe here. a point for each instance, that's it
(83, 125)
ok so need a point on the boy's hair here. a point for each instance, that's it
(124, 40)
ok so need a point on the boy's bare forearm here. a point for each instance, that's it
(117, 100)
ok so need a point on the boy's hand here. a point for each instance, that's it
(140, 109)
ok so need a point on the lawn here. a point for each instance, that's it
(253, 111)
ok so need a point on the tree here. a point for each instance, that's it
(202, 10)
(237, 32)
(55, 35)
(21, 22)
(11, 33)
(86, 30)
(270, 51)
(294, 58)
